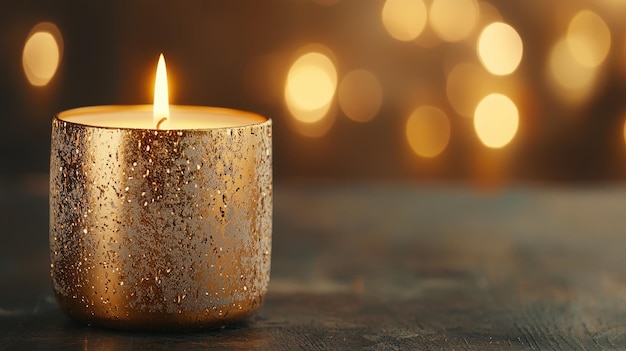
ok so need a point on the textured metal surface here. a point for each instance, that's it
(160, 229)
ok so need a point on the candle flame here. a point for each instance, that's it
(161, 109)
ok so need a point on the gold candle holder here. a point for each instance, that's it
(153, 229)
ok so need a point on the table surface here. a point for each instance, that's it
(378, 267)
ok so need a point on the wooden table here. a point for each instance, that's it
(380, 267)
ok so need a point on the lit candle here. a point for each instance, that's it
(160, 217)
(158, 116)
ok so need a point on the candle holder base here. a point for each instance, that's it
(146, 322)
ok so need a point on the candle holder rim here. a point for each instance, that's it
(263, 120)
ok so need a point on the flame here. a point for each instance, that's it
(161, 107)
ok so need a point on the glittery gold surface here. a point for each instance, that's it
(160, 229)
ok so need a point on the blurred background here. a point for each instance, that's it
(478, 91)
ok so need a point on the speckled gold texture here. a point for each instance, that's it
(160, 229)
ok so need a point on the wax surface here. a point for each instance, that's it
(140, 117)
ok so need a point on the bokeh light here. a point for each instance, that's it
(404, 19)
(500, 48)
(496, 120)
(310, 87)
(428, 131)
(360, 95)
(572, 81)
(42, 53)
(453, 20)
(588, 38)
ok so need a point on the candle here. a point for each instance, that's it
(160, 216)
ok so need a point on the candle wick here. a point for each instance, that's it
(158, 126)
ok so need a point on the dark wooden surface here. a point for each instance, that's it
(379, 267)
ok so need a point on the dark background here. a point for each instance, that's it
(237, 54)
(355, 265)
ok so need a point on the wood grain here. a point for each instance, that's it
(381, 267)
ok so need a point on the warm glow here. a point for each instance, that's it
(495, 120)
(624, 126)
(612, 10)
(572, 80)
(258, 78)
(42, 53)
(161, 110)
(319, 128)
(588, 38)
(488, 13)
(404, 19)
(623, 57)
(453, 20)
(500, 48)
(428, 131)
(360, 95)
(462, 76)
(467, 83)
(310, 87)
(326, 2)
